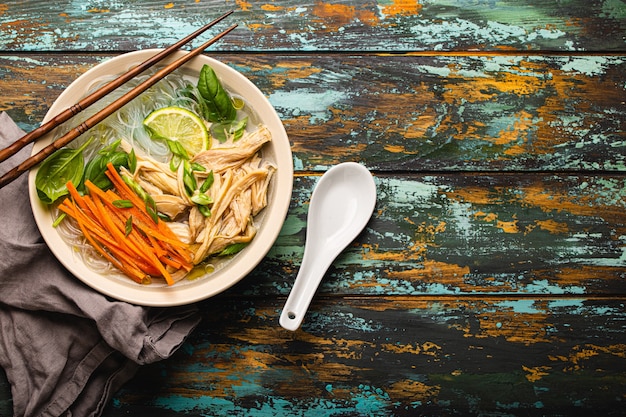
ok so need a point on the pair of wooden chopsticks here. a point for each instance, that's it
(108, 110)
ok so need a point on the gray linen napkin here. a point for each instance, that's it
(66, 348)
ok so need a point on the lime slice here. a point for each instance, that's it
(179, 124)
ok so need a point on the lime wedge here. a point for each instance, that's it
(179, 124)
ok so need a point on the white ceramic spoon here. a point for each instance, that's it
(341, 205)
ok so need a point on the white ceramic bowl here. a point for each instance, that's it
(269, 221)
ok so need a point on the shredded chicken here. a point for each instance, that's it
(233, 156)
(239, 192)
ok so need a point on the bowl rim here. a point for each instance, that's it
(273, 216)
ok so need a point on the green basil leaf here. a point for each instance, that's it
(219, 105)
(224, 131)
(96, 169)
(62, 166)
(110, 148)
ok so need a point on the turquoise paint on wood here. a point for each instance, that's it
(484, 113)
(490, 279)
(320, 26)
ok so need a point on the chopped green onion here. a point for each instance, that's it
(129, 226)
(208, 182)
(123, 203)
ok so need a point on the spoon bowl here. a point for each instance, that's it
(341, 205)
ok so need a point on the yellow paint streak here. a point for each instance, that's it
(272, 8)
(343, 348)
(258, 26)
(549, 200)
(471, 194)
(588, 94)
(296, 70)
(508, 227)
(283, 72)
(586, 274)
(536, 373)
(437, 272)
(486, 217)
(515, 150)
(333, 16)
(552, 226)
(575, 361)
(415, 111)
(410, 391)
(477, 89)
(402, 8)
(426, 348)
(398, 149)
(245, 6)
(96, 10)
(523, 123)
(543, 195)
(495, 322)
(515, 327)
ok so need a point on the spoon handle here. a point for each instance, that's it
(308, 279)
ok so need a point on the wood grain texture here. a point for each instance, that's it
(413, 113)
(393, 356)
(491, 279)
(470, 234)
(444, 25)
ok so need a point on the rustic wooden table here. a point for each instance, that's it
(491, 279)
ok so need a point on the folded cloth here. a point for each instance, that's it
(65, 348)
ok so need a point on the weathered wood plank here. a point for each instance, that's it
(6, 403)
(370, 25)
(393, 356)
(469, 234)
(415, 113)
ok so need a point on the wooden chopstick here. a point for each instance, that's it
(100, 93)
(107, 111)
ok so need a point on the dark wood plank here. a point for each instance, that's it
(575, 25)
(379, 356)
(407, 112)
(393, 356)
(6, 402)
